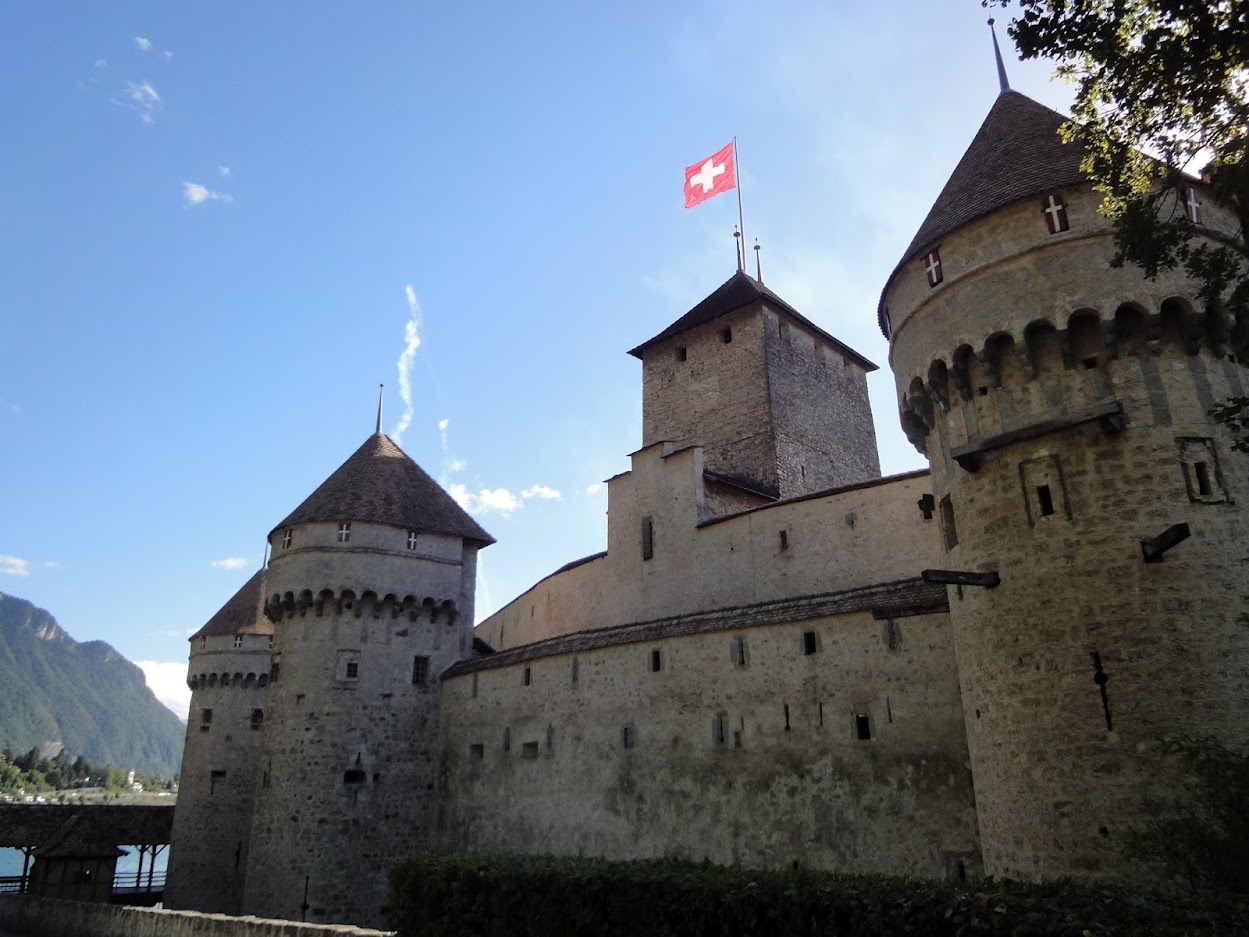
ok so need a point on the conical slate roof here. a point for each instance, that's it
(243, 614)
(1017, 152)
(737, 291)
(380, 483)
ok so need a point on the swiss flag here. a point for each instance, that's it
(710, 176)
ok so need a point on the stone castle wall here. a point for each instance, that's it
(362, 630)
(872, 533)
(771, 403)
(789, 733)
(212, 825)
(1062, 405)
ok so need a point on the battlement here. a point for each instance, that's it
(1043, 370)
(238, 680)
(290, 604)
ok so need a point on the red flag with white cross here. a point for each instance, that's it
(710, 176)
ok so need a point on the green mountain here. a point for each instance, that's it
(85, 696)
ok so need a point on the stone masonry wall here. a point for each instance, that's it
(212, 823)
(822, 418)
(731, 743)
(38, 917)
(347, 775)
(1085, 657)
(842, 539)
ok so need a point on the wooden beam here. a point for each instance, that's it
(1109, 414)
(956, 577)
(1153, 548)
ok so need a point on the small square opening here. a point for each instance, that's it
(529, 750)
(682, 354)
(862, 727)
(808, 643)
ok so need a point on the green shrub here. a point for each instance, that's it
(543, 896)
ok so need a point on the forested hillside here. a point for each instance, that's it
(85, 696)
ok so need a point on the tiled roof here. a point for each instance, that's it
(26, 825)
(904, 597)
(1017, 152)
(738, 291)
(244, 613)
(380, 483)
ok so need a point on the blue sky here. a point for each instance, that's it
(219, 219)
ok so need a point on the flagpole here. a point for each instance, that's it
(741, 219)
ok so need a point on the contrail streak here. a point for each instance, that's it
(411, 342)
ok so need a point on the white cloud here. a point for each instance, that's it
(230, 562)
(442, 430)
(195, 194)
(167, 55)
(407, 358)
(50, 564)
(545, 492)
(144, 43)
(168, 682)
(14, 566)
(101, 63)
(223, 171)
(456, 465)
(486, 500)
(141, 97)
(595, 488)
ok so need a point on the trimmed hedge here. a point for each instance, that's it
(544, 896)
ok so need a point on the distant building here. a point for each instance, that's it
(755, 671)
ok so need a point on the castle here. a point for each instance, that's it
(781, 658)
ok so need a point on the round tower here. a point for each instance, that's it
(1063, 406)
(212, 824)
(370, 590)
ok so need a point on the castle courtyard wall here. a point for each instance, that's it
(869, 533)
(742, 753)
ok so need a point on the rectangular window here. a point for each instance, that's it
(286, 540)
(411, 539)
(932, 267)
(786, 717)
(214, 777)
(477, 751)
(507, 739)
(784, 540)
(206, 717)
(681, 354)
(738, 653)
(626, 736)
(238, 640)
(1045, 501)
(344, 531)
(474, 691)
(1055, 213)
(353, 669)
(529, 750)
(526, 677)
(948, 531)
(648, 538)
(1202, 477)
(717, 729)
(1043, 490)
(808, 643)
(258, 719)
(862, 727)
(203, 643)
(420, 670)
(657, 661)
(726, 336)
(575, 674)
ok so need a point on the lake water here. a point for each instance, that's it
(11, 861)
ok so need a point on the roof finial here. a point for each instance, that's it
(758, 262)
(380, 388)
(1003, 84)
(739, 249)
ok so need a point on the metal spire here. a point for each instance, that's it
(758, 262)
(739, 249)
(1003, 84)
(380, 388)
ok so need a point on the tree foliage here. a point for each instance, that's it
(1162, 87)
